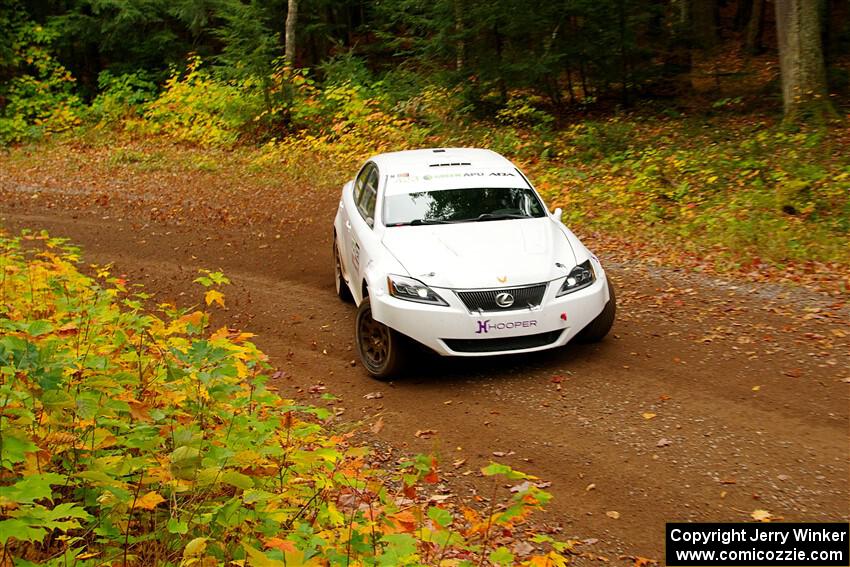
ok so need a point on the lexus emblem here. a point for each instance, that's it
(504, 300)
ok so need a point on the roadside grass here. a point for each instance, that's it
(139, 437)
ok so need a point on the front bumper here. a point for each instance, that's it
(454, 331)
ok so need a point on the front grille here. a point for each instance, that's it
(485, 299)
(505, 343)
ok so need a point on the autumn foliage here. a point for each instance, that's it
(134, 438)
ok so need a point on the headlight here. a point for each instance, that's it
(413, 290)
(580, 277)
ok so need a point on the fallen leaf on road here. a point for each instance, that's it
(503, 454)
(756, 388)
(663, 397)
(459, 463)
(613, 514)
(663, 442)
(648, 415)
(373, 395)
(378, 425)
(639, 561)
(761, 515)
(589, 487)
(425, 433)
(523, 548)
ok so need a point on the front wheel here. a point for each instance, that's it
(381, 349)
(599, 327)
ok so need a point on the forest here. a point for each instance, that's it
(573, 55)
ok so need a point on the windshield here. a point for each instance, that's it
(461, 205)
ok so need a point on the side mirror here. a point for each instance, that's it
(370, 221)
(556, 214)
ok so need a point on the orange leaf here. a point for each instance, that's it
(282, 544)
(405, 519)
(149, 501)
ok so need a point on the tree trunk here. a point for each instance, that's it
(624, 54)
(704, 23)
(804, 90)
(460, 55)
(743, 13)
(503, 89)
(755, 27)
(289, 38)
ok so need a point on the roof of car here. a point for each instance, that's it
(444, 168)
(405, 161)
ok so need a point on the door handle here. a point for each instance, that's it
(348, 225)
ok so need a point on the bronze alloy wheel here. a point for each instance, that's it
(379, 346)
(374, 341)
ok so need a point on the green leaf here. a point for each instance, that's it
(185, 462)
(31, 488)
(20, 530)
(495, 468)
(237, 479)
(14, 447)
(400, 549)
(38, 328)
(440, 516)
(175, 526)
(502, 556)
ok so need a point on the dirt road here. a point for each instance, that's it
(712, 399)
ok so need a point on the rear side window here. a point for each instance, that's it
(368, 192)
(360, 181)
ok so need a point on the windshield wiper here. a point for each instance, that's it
(417, 222)
(500, 216)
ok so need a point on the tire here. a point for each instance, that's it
(382, 350)
(596, 330)
(342, 290)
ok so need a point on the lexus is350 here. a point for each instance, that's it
(454, 249)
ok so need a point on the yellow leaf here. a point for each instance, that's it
(214, 296)
(756, 388)
(149, 501)
(613, 514)
(648, 415)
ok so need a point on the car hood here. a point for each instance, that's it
(487, 254)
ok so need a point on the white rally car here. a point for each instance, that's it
(454, 249)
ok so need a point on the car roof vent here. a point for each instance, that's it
(449, 164)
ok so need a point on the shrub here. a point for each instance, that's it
(121, 96)
(40, 99)
(196, 106)
(144, 440)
